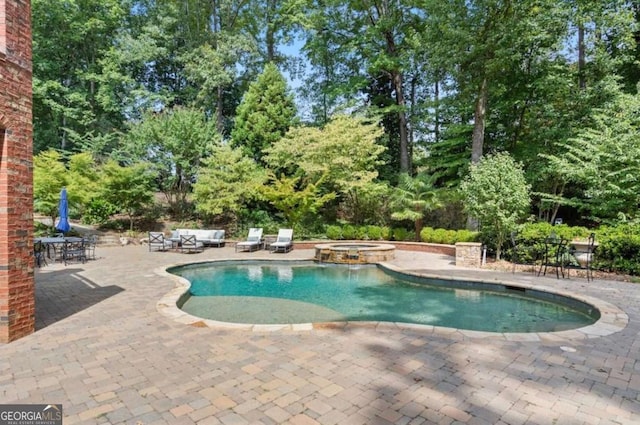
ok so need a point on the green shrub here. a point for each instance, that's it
(464, 235)
(374, 233)
(334, 232)
(349, 232)
(619, 249)
(98, 211)
(440, 236)
(402, 234)
(450, 237)
(386, 233)
(361, 233)
(426, 234)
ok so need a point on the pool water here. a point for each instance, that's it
(280, 292)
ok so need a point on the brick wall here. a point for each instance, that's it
(17, 303)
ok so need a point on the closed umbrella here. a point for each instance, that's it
(63, 210)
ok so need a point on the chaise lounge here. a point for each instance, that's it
(253, 242)
(284, 241)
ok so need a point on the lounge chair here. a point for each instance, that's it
(157, 242)
(284, 242)
(253, 242)
(189, 243)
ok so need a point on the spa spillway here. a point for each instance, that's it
(354, 253)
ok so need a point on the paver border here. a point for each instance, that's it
(612, 318)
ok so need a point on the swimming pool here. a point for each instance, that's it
(267, 292)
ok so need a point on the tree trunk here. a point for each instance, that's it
(270, 31)
(436, 112)
(581, 57)
(405, 160)
(477, 140)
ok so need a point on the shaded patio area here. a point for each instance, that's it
(105, 352)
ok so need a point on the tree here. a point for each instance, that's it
(339, 159)
(227, 182)
(265, 114)
(355, 45)
(413, 198)
(497, 194)
(343, 154)
(83, 180)
(174, 143)
(128, 188)
(70, 40)
(49, 177)
(295, 203)
(603, 161)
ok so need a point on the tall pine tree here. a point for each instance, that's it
(265, 114)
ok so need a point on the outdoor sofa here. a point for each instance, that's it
(207, 237)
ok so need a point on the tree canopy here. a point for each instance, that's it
(378, 91)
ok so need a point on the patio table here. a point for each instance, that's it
(55, 242)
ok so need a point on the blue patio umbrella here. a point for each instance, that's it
(63, 210)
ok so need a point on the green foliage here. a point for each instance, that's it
(604, 161)
(366, 204)
(339, 160)
(174, 142)
(619, 249)
(541, 230)
(265, 114)
(294, 203)
(49, 177)
(128, 188)
(402, 234)
(465, 235)
(83, 181)
(344, 154)
(497, 194)
(98, 211)
(70, 39)
(349, 232)
(443, 236)
(227, 183)
(413, 198)
(374, 233)
(334, 232)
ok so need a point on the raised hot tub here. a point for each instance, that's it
(354, 253)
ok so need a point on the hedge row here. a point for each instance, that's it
(428, 234)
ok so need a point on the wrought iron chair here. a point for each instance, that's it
(74, 250)
(39, 253)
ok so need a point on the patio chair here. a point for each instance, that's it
(74, 250)
(90, 247)
(555, 255)
(284, 241)
(39, 252)
(189, 243)
(157, 242)
(581, 256)
(253, 242)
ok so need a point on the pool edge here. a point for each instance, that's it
(612, 319)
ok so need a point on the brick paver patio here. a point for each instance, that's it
(105, 352)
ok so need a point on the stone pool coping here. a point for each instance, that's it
(612, 319)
